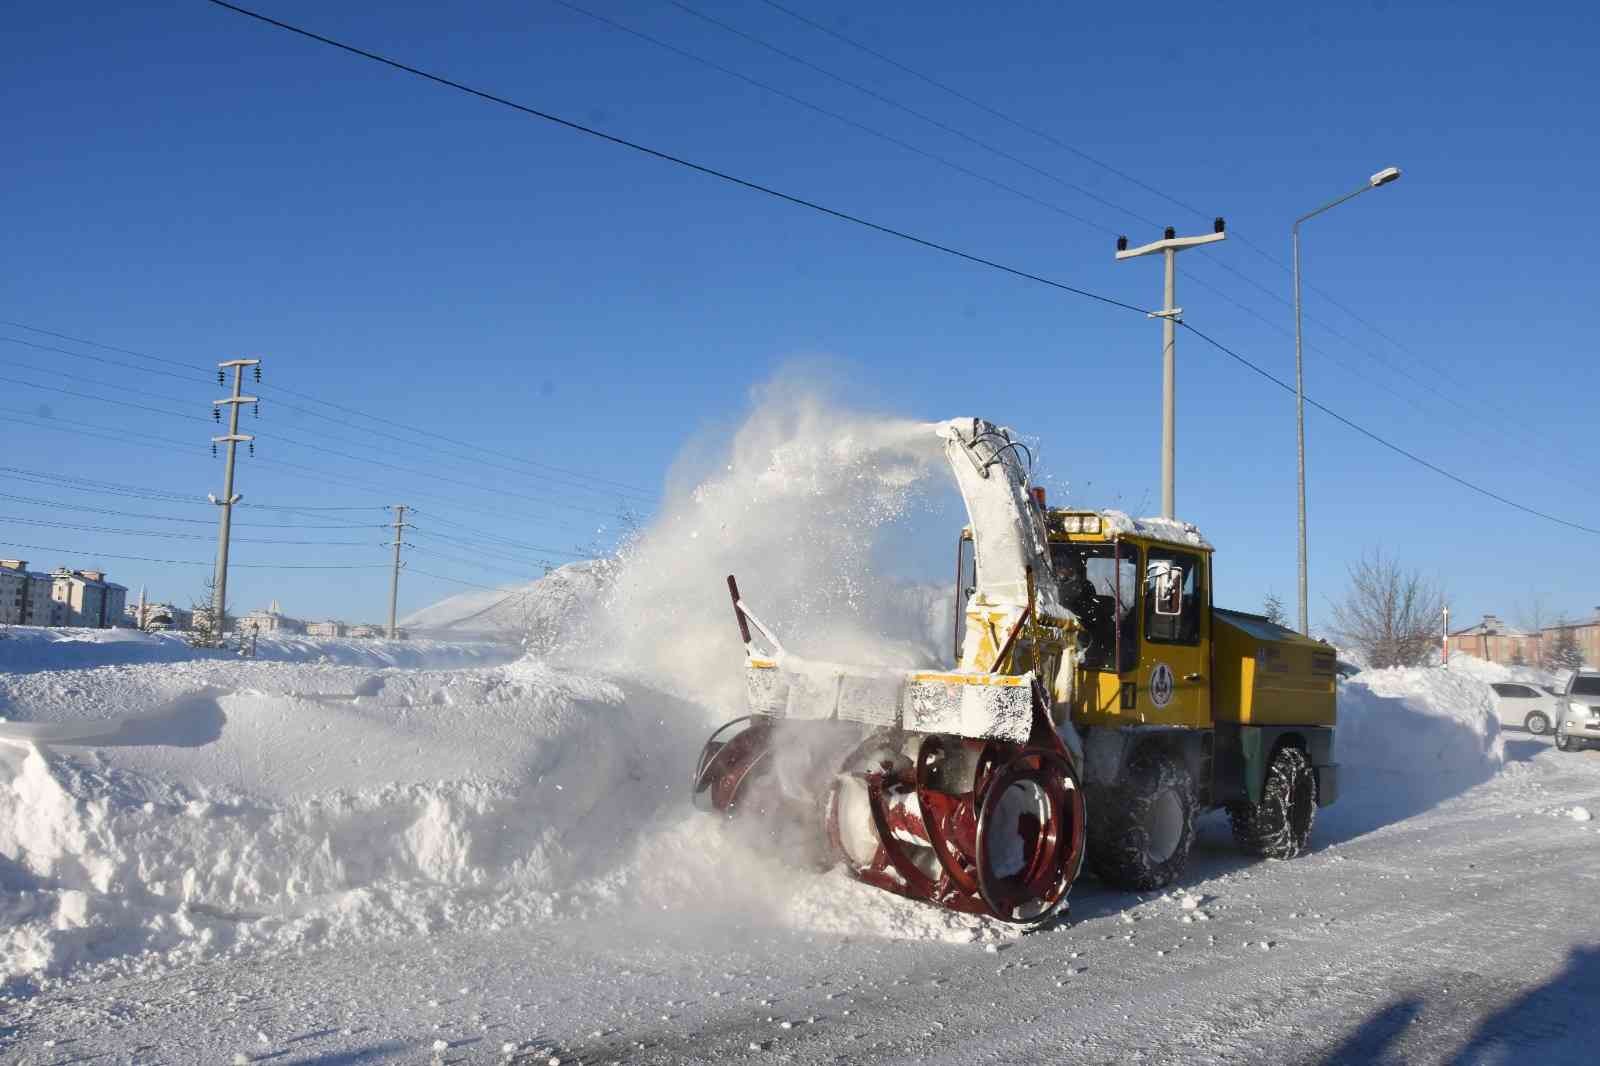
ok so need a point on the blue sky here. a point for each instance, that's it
(184, 182)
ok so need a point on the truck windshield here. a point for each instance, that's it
(1092, 579)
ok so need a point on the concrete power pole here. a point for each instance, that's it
(233, 438)
(1171, 314)
(400, 525)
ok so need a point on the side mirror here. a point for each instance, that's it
(1167, 582)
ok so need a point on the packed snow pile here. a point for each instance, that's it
(1408, 738)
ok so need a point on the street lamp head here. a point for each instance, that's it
(1384, 176)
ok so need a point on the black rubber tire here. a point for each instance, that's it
(1564, 743)
(1120, 821)
(1537, 723)
(1279, 827)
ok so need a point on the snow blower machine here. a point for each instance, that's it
(1098, 702)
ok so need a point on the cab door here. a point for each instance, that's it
(1173, 686)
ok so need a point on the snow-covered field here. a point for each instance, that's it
(361, 851)
(328, 863)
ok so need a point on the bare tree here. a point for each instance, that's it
(1272, 609)
(1389, 614)
(1534, 617)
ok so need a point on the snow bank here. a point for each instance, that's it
(28, 648)
(252, 819)
(1407, 739)
(1486, 671)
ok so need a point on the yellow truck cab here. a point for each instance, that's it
(1180, 706)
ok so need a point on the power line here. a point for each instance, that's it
(808, 105)
(97, 359)
(491, 539)
(667, 157)
(320, 448)
(169, 535)
(458, 581)
(109, 487)
(1075, 150)
(192, 562)
(63, 504)
(457, 558)
(98, 399)
(576, 479)
(1397, 449)
(195, 367)
(856, 220)
(167, 444)
(499, 555)
(981, 106)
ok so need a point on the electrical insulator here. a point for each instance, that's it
(252, 447)
(221, 378)
(213, 449)
(258, 373)
(257, 409)
(216, 414)
(1170, 233)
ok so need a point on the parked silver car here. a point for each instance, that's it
(1579, 724)
(1525, 705)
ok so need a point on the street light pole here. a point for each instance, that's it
(1382, 177)
(1170, 314)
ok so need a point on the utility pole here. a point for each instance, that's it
(1170, 314)
(233, 438)
(400, 525)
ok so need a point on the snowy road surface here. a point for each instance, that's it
(1469, 932)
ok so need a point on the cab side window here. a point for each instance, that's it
(1173, 618)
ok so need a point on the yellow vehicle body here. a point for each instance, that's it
(1232, 667)
(1268, 675)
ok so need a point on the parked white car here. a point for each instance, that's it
(1578, 726)
(1527, 706)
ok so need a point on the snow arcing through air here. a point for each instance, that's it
(159, 804)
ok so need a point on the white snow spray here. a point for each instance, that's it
(795, 509)
(804, 503)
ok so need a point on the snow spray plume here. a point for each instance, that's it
(795, 508)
